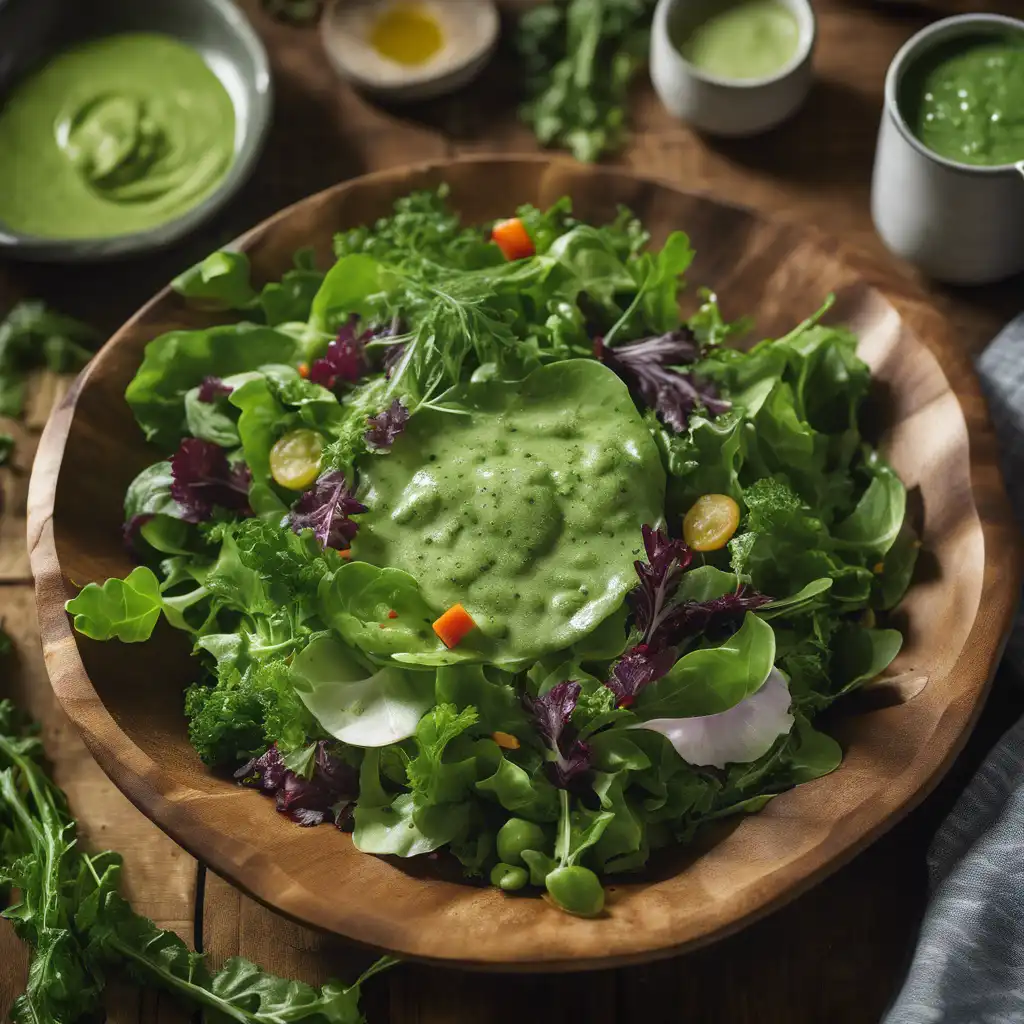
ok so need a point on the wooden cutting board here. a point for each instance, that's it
(836, 954)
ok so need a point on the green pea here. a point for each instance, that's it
(576, 890)
(508, 877)
(517, 835)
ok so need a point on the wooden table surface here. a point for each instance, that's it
(838, 953)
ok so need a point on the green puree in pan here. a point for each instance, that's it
(965, 100)
(114, 136)
(744, 39)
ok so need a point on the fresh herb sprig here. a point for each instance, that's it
(65, 904)
(580, 57)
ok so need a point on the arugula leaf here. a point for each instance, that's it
(80, 928)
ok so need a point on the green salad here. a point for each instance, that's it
(484, 548)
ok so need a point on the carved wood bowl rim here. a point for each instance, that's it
(439, 921)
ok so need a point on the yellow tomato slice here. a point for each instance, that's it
(711, 521)
(295, 459)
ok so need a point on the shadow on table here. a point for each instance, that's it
(800, 151)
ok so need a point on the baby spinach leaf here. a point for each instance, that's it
(355, 705)
(211, 420)
(897, 569)
(127, 609)
(804, 599)
(875, 523)
(356, 284)
(291, 299)
(811, 754)
(859, 655)
(218, 282)
(713, 679)
(176, 362)
(706, 583)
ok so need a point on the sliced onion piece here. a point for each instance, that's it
(739, 735)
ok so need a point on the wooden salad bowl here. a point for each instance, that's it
(899, 736)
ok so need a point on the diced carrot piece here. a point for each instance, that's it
(345, 553)
(392, 614)
(453, 625)
(505, 740)
(303, 369)
(512, 238)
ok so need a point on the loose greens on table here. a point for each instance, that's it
(501, 555)
(579, 58)
(65, 903)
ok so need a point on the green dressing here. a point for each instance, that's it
(743, 40)
(114, 136)
(965, 100)
(523, 502)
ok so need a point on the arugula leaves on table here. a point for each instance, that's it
(69, 910)
(32, 336)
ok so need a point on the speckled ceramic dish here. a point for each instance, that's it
(32, 30)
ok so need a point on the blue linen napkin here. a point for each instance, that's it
(968, 967)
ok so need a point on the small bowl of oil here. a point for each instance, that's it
(410, 49)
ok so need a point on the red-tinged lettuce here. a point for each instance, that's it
(345, 358)
(386, 426)
(666, 623)
(650, 367)
(203, 479)
(638, 667)
(325, 509)
(551, 713)
(213, 388)
(667, 560)
(326, 795)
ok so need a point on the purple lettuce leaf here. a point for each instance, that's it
(213, 388)
(327, 795)
(551, 715)
(667, 560)
(386, 426)
(648, 366)
(345, 358)
(639, 667)
(691, 618)
(325, 509)
(664, 625)
(203, 479)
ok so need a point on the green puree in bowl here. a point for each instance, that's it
(965, 100)
(117, 135)
(742, 40)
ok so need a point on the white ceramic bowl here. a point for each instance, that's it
(469, 27)
(959, 223)
(723, 106)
